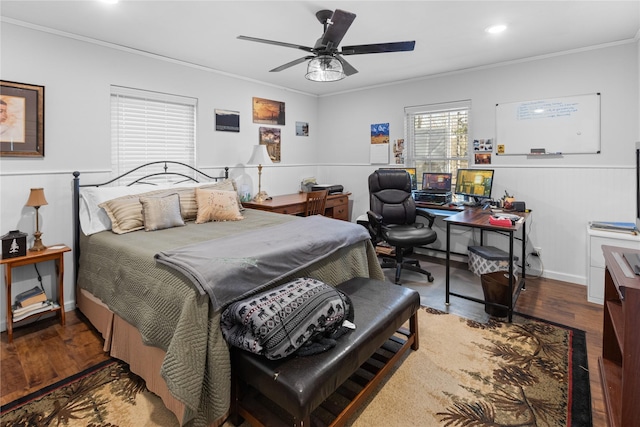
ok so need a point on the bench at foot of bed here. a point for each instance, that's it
(327, 388)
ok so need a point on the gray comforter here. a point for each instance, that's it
(172, 314)
(228, 269)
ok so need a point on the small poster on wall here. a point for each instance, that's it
(483, 144)
(379, 152)
(482, 158)
(302, 129)
(271, 138)
(227, 121)
(398, 152)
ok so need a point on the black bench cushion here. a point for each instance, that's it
(300, 384)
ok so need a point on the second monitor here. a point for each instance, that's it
(436, 182)
(474, 183)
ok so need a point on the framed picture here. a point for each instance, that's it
(271, 138)
(21, 119)
(227, 121)
(268, 112)
(302, 129)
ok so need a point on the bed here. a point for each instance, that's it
(153, 316)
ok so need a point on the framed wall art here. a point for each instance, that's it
(21, 120)
(302, 129)
(271, 138)
(227, 121)
(268, 112)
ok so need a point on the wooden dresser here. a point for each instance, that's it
(337, 205)
(620, 360)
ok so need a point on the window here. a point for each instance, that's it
(437, 137)
(150, 126)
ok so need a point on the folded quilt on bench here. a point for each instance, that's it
(304, 317)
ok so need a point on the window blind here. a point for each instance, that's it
(437, 137)
(151, 126)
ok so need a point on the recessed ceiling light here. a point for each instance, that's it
(109, 1)
(495, 29)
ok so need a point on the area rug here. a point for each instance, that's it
(466, 373)
(525, 373)
(105, 395)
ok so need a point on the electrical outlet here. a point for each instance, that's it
(537, 251)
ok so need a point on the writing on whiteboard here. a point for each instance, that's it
(545, 110)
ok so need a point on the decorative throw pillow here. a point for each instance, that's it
(125, 212)
(189, 204)
(217, 205)
(161, 212)
(304, 317)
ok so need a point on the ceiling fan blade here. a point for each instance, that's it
(295, 46)
(340, 23)
(378, 48)
(291, 64)
(346, 67)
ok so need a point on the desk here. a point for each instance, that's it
(479, 218)
(337, 205)
(52, 253)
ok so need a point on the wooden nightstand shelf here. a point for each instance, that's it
(52, 253)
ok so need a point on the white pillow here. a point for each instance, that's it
(94, 219)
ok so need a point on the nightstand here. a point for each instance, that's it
(52, 253)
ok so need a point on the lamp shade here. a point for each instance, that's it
(325, 68)
(36, 198)
(259, 156)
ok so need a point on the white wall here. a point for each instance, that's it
(564, 193)
(77, 76)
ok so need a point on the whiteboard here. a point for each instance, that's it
(555, 126)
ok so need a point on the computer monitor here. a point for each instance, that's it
(474, 183)
(436, 182)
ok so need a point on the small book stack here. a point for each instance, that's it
(384, 248)
(619, 227)
(31, 302)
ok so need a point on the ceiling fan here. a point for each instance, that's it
(327, 62)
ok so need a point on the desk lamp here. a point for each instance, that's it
(36, 199)
(260, 156)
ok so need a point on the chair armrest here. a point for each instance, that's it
(374, 218)
(426, 214)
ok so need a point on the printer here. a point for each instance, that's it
(331, 189)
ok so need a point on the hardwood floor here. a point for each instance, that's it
(46, 352)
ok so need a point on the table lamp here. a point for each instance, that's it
(36, 199)
(260, 157)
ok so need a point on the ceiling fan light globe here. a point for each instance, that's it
(325, 68)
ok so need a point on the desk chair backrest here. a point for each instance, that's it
(390, 196)
(316, 201)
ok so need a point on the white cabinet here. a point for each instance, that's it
(595, 261)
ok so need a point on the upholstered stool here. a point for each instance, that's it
(299, 385)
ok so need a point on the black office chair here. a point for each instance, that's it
(392, 219)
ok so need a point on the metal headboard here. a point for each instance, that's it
(199, 175)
